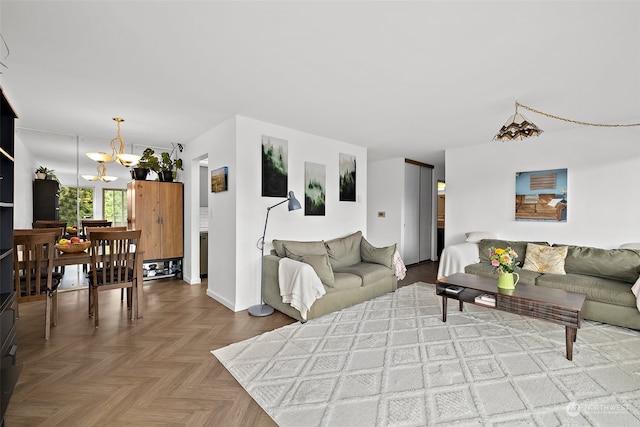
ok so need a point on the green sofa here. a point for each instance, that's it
(352, 271)
(604, 275)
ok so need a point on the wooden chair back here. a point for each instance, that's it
(89, 230)
(62, 225)
(33, 255)
(93, 223)
(114, 258)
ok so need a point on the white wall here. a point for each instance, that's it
(386, 194)
(238, 215)
(23, 187)
(603, 167)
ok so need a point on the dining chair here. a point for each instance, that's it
(59, 226)
(33, 253)
(88, 231)
(93, 223)
(114, 258)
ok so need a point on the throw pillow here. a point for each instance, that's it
(344, 251)
(302, 248)
(320, 264)
(545, 259)
(370, 253)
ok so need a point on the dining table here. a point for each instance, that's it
(79, 258)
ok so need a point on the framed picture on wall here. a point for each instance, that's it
(220, 179)
(274, 167)
(541, 196)
(314, 189)
(347, 170)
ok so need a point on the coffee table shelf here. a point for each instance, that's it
(552, 305)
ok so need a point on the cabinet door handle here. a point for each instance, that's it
(12, 353)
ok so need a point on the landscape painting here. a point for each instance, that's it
(220, 179)
(541, 196)
(347, 169)
(274, 167)
(314, 189)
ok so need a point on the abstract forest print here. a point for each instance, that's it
(274, 167)
(314, 189)
(347, 166)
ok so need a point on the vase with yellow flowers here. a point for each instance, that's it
(504, 260)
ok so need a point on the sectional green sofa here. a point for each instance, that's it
(606, 276)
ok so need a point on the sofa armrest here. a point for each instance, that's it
(455, 258)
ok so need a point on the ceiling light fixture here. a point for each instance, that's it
(102, 170)
(519, 127)
(118, 154)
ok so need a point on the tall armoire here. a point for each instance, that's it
(157, 209)
(46, 201)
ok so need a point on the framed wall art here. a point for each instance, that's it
(541, 195)
(347, 170)
(274, 167)
(220, 179)
(314, 189)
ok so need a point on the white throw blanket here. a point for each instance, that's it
(398, 266)
(455, 258)
(300, 285)
(636, 291)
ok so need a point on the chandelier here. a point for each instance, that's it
(117, 148)
(102, 175)
(519, 127)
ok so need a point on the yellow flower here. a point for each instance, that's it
(499, 251)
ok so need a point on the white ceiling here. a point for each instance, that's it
(405, 79)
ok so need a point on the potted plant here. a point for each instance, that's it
(170, 164)
(148, 161)
(45, 173)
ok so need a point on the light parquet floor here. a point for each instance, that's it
(154, 371)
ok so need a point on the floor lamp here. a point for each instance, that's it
(263, 309)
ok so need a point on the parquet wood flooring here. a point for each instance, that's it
(154, 371)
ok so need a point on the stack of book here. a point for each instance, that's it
(486, 299)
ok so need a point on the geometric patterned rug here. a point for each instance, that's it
(392, 361)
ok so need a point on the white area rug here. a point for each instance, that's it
(392, 362)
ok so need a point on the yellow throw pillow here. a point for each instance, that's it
(545, 259)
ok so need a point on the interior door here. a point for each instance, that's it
(411, 245)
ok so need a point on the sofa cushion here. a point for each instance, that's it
(369, 272)
(344, 251)
(519, 246)
(344, 281)
(596, 288)
(382, 256)
(615, 264)
(545, 259)
(484, 269)
(300, 248)
(320, 264)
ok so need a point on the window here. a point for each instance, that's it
(68, 203)
(114, 206)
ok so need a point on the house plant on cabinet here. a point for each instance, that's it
(148, 162)
(45, 173)
(170, 163)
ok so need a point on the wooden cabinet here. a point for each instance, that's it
(46, 200)
(8, 305)
(156, 208)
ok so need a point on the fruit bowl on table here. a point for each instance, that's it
(73, 248)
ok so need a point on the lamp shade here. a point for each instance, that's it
(517, 127)
(294, 204)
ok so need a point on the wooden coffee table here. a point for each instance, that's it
(552, 305)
